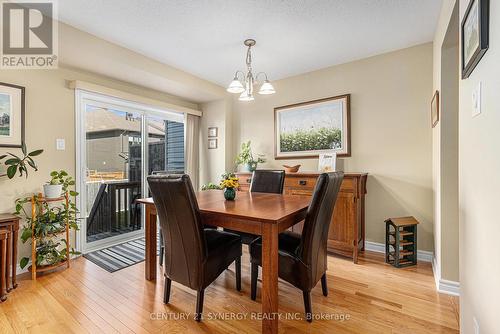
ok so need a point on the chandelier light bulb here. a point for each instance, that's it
(246, 97)
(235, 86)
(266, 88)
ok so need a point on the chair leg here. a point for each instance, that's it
(237, 264)
(162, 249)
(166, 290)
(307, 305)
(254, 274)
(323, 285)
(199, 305)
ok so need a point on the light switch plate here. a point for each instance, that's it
(60, 144)
(476, 100)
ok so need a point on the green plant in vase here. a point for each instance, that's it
(245, 157)
(49, 224)
(229, 184)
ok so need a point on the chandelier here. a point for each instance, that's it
(243, 84)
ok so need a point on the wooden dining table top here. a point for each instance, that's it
(263, 207)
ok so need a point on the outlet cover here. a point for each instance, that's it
(476, 325)
(476, 100)
(60, 144)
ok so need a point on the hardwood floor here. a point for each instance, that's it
(375, 297)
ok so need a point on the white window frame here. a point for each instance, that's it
(82, 98)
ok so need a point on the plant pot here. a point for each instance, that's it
(251, 166)
(229, 194)
(52, 190)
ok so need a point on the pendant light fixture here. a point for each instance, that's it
(243, 84)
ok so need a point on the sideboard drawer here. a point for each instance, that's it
(300, 182)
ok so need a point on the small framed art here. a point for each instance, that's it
(212, 132)
(212, 144)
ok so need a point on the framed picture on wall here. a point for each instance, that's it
(212, 131)
(12, 106)
(435, 109)
(475, 35)
(305, 130)
(212, 144)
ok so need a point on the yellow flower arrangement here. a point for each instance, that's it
(229, 181)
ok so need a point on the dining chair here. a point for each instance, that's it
(303, 258)
(194, 256)
(263, 181)
(162, 244)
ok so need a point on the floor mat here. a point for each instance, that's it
(119, 256)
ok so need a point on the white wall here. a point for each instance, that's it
(445, 147)
(390, 130)
(479, 165)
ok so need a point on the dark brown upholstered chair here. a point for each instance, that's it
(267, 181)
(263, 181)
(194, 256)
(303, 258)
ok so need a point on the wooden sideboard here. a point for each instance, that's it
(347, 230)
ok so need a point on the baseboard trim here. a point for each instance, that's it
(424, 256)
(448, 287)
(443, 285)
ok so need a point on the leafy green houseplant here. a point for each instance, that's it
(245, 157)
(48, 224)
(20, 164)
(58, 184)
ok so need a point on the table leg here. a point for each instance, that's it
(8, 258)
(151, 241)
(15, 236)
(270, 278)
(3, 296)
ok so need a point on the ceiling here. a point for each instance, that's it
(205, 38)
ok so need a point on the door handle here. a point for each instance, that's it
(302, 182)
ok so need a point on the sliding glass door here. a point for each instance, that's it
(121, 144)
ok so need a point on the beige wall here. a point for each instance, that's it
(391, 133)
(445, 146)
(50, 114)
(479, 163)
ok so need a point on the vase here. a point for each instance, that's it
(251, 166)
(52, 190)
(229, 194)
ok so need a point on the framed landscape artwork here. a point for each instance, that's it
(308, 129)
(475, 35)
(435, 109)
(11, 115)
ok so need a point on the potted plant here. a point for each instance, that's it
(229, 184)
(59, 181)
(245, 157)
(49, 223)
(20, 164)
(210, 186)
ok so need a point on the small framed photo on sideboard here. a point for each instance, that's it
(327, 162)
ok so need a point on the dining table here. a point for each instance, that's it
(261, 214)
